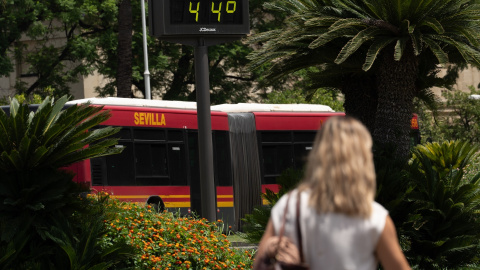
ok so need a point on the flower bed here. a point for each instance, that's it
(168, 241)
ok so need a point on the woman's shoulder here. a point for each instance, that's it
(282, 202)
(378, 216)
(289, 198)
(379, 209)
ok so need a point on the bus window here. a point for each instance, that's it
(300, 152)
(276, 136)
(116, 170)
(177, 164)
(149, 134)
(304, 136)
(175, 135)
(151, 164)
(221, 156)
(120, 169)
(276, 158)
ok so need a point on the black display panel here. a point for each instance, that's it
(198, 17)
(211, 12)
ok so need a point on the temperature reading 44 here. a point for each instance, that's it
(206, 12)
(199, 17)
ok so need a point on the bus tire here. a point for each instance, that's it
(157, 203)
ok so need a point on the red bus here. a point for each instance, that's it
(252, 145)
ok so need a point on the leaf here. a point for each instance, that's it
(336, 31)
(36, 207)
(399, 48)
(357, 41)
(434, 24)
(441, 55)
(374, 50)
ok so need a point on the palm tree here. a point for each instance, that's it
(373, 51)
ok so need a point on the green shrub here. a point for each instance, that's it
(43, 220)
(444, 206)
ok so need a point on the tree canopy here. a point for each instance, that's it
(378, 53)
(91, 31)
(65, 33)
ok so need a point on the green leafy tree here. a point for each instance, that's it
(456, 118)
(40, 209)
(374, 51)
(64, 35)
(464, 123)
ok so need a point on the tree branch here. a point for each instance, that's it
(240, 78)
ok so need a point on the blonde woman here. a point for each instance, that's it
(342, 226)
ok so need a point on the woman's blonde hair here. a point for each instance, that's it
(340, 173)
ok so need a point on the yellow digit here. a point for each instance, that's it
(217, 10)
(195, 11)
(234, 3)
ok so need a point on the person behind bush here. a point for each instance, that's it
(342, 227)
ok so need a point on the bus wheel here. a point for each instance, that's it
(157, 203)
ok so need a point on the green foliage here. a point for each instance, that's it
(43, 221)
(444, 206)
(21, 98)
(52, 137)
(321, 96)
(254, 224)
(53, 64)
(83, 246)
(464, 123)
(460, 118)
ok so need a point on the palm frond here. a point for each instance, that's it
(400, 48)
(357, 41)
(434, 24)
(374, 50)
(437, 50)
(348, 30)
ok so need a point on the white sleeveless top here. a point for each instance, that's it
(332, 241)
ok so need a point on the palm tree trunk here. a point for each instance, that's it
(396, 90)
(360, 99)
(124, 50)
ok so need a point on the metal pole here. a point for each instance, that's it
(146, 74)
(205, 146)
